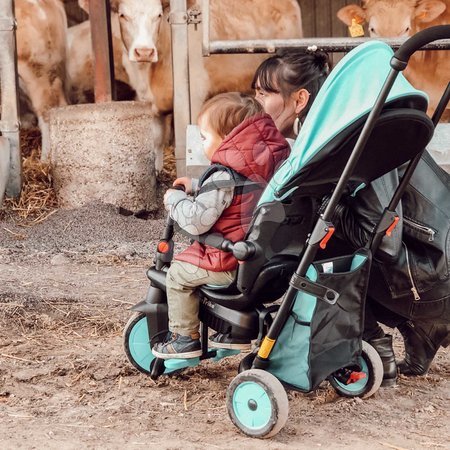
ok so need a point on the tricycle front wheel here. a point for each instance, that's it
(257, 403)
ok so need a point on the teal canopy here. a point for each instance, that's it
(348, 94)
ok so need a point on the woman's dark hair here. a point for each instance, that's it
(289, 71)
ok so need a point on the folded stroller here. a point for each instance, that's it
(365, 122)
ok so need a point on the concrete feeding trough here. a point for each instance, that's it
(105, 152)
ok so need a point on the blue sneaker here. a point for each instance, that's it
(227, 341)
(179, 347)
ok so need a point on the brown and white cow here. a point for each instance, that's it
(41, 51)
(427, 70)
(145, 34)
(80, 64)
(132, 64)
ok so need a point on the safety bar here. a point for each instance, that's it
(418, 41)
(325, 44)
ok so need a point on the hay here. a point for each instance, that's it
(169, 170)
(37, 200)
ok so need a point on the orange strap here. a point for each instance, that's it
(393, 225)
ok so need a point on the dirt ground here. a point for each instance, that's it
(65, 288)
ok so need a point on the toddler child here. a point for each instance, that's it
(242, 142)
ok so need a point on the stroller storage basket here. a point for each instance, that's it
(320, 337)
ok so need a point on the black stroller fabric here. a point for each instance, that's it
(318, 337)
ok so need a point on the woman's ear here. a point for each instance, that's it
(301, 100)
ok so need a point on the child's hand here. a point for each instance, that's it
(167, 195)
(186, 182)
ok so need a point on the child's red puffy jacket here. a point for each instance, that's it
(254, 149)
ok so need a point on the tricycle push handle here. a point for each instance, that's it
(401, 56)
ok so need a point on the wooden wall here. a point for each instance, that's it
(74, 13)
(319, 17)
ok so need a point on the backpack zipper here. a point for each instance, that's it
(427, 230)
(413, 289)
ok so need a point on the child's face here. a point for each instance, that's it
(211, 140)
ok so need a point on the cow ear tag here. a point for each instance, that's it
(356, 29)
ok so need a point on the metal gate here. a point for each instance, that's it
(10, 161)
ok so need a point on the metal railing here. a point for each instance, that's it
(325, 44)
(10, 158)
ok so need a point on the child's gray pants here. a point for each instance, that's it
(182, 280)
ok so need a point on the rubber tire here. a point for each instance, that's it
(247, 362)
(375, 375)
(132, 322)
(276, 395)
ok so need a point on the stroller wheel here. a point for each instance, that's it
(137, 344)
(257, 403)
(364, 387)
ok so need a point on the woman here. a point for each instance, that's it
(286, 86)
(410, 289)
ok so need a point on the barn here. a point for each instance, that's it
(75, 361)
(319, 20)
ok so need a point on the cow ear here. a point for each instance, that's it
(114, 5)
(428, 10)
(349, 12)
(84, 5)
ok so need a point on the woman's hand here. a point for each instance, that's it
(185, 182)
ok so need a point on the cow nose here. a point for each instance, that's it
(144, 54)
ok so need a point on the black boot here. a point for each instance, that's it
(383, 346)
(422, 341)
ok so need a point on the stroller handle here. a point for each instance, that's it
(168, 231)
(401, 56)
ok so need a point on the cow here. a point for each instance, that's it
(145, 34)
(41, 52)
(427, 70)
(80, 66)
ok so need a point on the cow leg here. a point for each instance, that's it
(45, 91)
(28, 119)
(161, 139)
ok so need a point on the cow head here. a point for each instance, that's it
(392, 18)
(139, 26)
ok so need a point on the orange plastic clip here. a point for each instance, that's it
(163, 247)
(393, 225)
(356, 376)
(324, 241)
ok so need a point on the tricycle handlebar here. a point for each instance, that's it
(401, 56)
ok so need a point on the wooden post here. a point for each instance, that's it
(100, 16)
